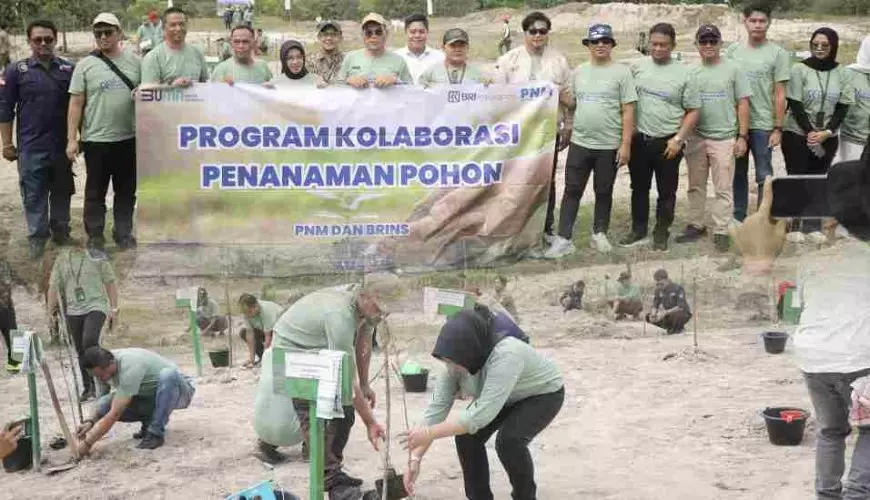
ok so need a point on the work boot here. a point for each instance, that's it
(691, 234)
(722, 242)
(633, 239)
(342, 478)
(269, 453)
(150, 442)
(143, 431)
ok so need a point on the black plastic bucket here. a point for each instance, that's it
(416, 382)
(219, 358)
(21, 458)
(774, 342)
(785, 425)
(395, 486)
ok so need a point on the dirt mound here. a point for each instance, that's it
(628, 17)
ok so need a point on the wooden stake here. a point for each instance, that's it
(695, 311)
(387, 339)
(59, 412)
(229, 320)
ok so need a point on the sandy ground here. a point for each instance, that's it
(634, 426)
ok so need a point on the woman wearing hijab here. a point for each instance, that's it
(515, 391)
(818, 100)
(293, 70)
(856, 126)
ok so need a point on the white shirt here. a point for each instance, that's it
(834, 331)
(418, 64)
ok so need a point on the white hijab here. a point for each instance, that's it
(863, 60)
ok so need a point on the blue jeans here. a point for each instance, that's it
(763, 156)
(46, 184)
(174, 392)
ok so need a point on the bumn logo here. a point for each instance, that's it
(164, 95)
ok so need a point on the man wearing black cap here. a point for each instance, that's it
(454, 70)
(720, 136)
(326, 62)
(600, 139)
(832, 341)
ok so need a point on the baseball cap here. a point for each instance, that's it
(328, 23)
(708, 31)
(599, 32)
(455, 35)
(374, 18)
(849, 197)
(106, 18)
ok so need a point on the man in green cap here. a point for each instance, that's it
(454, 70)
(326, 62)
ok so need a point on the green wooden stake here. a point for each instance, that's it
(34, 422)
(316, 440)
(197, 347)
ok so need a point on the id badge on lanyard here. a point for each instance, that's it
(79, 290)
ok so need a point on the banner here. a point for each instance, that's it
(342, 179)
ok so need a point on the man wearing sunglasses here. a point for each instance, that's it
(535, 61)
(374, 65)
(600, 140)
(102, 104)
(326, 62)
(720, 135)
(36, 93)
(174, 62)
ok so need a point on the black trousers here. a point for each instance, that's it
(85, 332)
(105, 162)
(648, 159)
(580, 165)
(7, 324)
(799, 160)
(259, 340)
(337, 433)
(551, 197)
(517, 425)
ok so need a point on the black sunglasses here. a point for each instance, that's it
(100, 32)
(40, 40)
(538, 31)
(374, 32)
(601, 41)
(708, 41)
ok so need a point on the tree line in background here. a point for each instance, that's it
(77, 14)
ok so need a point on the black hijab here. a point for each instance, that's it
(467, 339)
(285, 68)
(830, 62)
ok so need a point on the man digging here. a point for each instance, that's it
(627, 301)
(147, 388)
(259, 317)
(670, 309)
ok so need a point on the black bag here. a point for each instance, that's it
(114, 68)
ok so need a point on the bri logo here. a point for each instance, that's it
(455, 96)
(532, 93)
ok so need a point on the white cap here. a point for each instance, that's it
(107, 18)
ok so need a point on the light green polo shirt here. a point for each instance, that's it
(164, 65)
(664, 93)
(514, 371)
(720, 86)
(109, 107)
(138, 372)
(763, 67)
(600, 92)
(359, 62)
(75, 269)
(856, 126)
(627, 291)
(818, 91)
(257, 72)
(436, 74)
(267, 317)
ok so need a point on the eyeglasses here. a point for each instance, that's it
(328, 34)
(373, 32)
(99, 33)
(538, 31)
(821, 45)
(708, 42)
(601, 41)
(42, 40)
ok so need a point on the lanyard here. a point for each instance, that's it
(450, 75)
(78, 273)
(824, 88)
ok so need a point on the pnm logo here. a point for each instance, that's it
(163, 95)
(457, 96)
(532, 93)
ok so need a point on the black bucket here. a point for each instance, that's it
(774, 342)
(416, 382)
(21, 458)
(395, 486)
(785, 425)
(219, 358)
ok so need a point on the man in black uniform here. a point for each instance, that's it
(670, 310)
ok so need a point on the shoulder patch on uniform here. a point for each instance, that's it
(22, 67)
